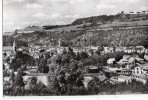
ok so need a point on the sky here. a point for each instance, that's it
(18, 14)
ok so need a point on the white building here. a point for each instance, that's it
(140, 78)
(139, 49)
(121, 79)
(140, 68)
(130, 50)
(111, 61)
(108, 49)
(146, 56)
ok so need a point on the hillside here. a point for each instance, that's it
(114, 30)
(118, 37)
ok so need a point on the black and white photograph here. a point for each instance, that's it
(74, 47)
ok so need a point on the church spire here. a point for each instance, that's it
(59, 43)
(14, 46)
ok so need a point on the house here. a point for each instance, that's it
(125, 60)
(108, 49)
(60, 50)
(121, 79)
(76, 50)
(111, 61)
(126, 56)
(22, 48)
(139, 77)
(131, 60)
(119, 71)
(87, 79)
(8, 50)
(125, 69)
(130, 50)
(146, 56)
(32, 50)
(95, 48)
(35, 55)
(139, 49)
(93, 69)
(144, 66)
(139, 68)
(119, 49)
(126, 72)
(112, 69)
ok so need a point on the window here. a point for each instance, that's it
(137, 71)
(137, 68)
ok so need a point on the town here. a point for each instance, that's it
(106, 54)
(78, 66)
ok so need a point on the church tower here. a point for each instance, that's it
(59, 42)
(14, 47)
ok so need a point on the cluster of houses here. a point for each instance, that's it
(129, 50)
(128, 68)
(125, 70)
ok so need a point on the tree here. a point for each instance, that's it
(42, 65)
(52, 67)
(65, 58)
(14, 65)
(12, 78)
(70, 52)
(59, 60)
(84, 55)
(93, 86)
(78, 56)
(61, 83)
(31, 84)
(56, 81)
(19, 78)
(47, 55)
